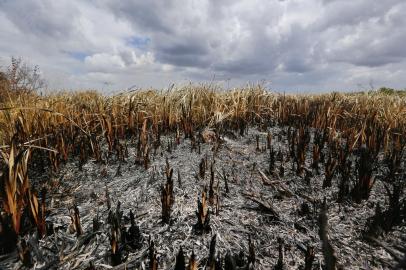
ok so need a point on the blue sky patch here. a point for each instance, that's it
(78, 55)
(139, 42)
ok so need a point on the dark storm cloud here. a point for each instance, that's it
(184, 49)
(187, 52)
(184, 60)
(312, 43)
(147, 15)
(36, 17)
(376, 41)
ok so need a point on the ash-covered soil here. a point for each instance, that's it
(239, 216)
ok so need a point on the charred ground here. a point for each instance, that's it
(255, 190)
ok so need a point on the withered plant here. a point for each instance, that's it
(133, 236)
(251, 253)
(301, 148)
(203, 215)
(15, 183)
(75, 218)
(180, 263)
(393, 159)
(291, 140)
(309, 258)
(344, 168)
(108, 201)
(202, 168)
(24, 253)
(365, 167)
(143, 148)
(269, 140)
(329, 171)
(211, 260)
(153, 262)
(211, 185)
(108, 131)
(119, 150)
(116, 256)
(177, 136)
(96, 223)
(395, 215)
(217, 204)
(117, 235)
(179, 180)
(316, 157)
(376, 224)
(225, 177)
(194, 144)
(192, 262)
(280, 265)
(187, 119)
(82, 155)
(167, 196)
(118, 171)
(229, 261)
(38, 211)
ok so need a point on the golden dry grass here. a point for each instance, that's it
(33, 117)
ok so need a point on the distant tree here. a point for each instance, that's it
(3, 79)
(20, 78)
(391, 91)
(386, 90)
(4, 86)
(24, 78)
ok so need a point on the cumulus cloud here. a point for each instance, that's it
(307, 45)
(104, 62)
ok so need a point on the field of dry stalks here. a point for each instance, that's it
(202, 178)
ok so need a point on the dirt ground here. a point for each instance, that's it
(239, 216)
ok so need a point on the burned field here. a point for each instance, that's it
(275, 183)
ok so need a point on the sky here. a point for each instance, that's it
(291, 45)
